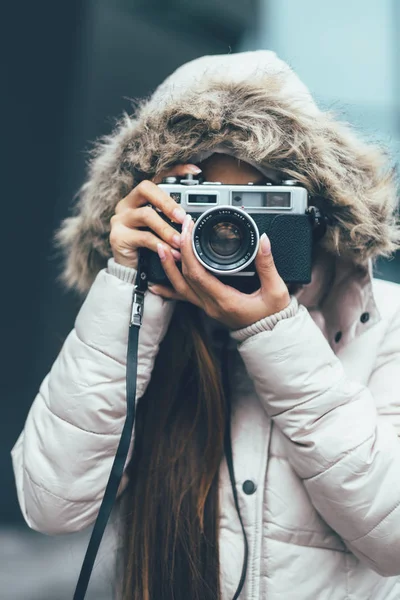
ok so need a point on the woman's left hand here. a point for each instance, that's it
(222, 302)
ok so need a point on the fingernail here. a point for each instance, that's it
(161, 252)
(186, 222)
(176, 254)
(265, 244)
(177, 240)
(193, 169)
(179, 215)
(185, 225)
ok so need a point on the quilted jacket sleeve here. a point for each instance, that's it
(346, 451)
(63, 457)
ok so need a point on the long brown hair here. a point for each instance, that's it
(170, 507)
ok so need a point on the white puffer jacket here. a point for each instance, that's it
(316, 400)
(315, 442)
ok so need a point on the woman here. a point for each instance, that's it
(313, 371)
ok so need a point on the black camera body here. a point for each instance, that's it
(229, 220)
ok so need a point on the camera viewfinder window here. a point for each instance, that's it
(277, 199)
(202, 199)
(261, 199)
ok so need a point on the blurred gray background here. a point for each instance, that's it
(71, 68)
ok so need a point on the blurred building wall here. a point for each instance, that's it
(348, 54)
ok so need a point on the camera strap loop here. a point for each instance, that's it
(121, 455)
(319, 222)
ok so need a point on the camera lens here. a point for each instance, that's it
(225, 238)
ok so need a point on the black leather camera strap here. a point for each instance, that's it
(121, 455)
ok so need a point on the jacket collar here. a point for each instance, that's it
(340, 298)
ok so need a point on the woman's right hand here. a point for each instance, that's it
(132, 214)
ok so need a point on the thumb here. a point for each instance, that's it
(265, 265)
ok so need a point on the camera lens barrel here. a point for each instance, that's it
(225, 239)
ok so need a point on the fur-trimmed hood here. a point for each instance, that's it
(255, 106)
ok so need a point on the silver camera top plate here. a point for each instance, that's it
(251, 198)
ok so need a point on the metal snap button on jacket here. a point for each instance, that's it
(249, 487)
(364, 317)
(338, 336)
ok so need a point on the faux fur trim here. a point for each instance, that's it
(351, 180)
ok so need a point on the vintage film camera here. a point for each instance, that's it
(229, 220)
